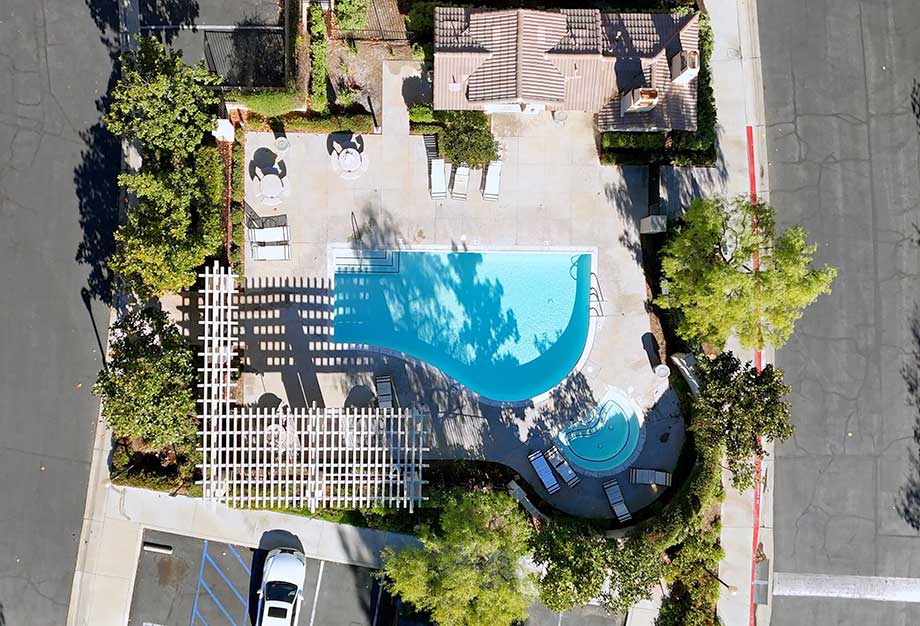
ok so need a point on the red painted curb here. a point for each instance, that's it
(758, 363)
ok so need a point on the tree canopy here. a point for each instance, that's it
(636, 565)
(575, 557)
(735, 408)
(174, 227)
(466, 138)
(467, 573)
(710, 277)
(161, 102)
(147, 386)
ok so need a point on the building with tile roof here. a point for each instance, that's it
(637, 71)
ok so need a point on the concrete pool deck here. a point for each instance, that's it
(554, 193)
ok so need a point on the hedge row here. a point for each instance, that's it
(319, 101)
(313, 123)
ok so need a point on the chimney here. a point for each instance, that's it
(685, 65)
(638, 100)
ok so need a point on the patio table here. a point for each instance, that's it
(271, 186)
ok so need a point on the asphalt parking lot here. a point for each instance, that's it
(207, 583)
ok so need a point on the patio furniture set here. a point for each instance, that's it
(440, 174)
(545, 464)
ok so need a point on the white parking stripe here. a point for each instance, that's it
(319, 579)
(881, 588)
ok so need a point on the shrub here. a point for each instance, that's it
(313, 123)
(634, 141)
(421, 112)
(271, 103)
(351, 14)
(466, 138)
(420, 20)
(574, 557)
(174, 226)
(319, 100)
(162, 103)
(147, 387)
(629, 157)
(424, 129)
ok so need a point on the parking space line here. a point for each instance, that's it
(240, 559)
(218, 603)
(319, 579)
(198, 589)
(226, 580)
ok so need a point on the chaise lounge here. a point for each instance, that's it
(615, 498)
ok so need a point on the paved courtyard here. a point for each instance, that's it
(554, 195)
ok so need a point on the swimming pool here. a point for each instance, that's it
(607, 438)
(507, 325)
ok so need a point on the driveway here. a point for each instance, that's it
(841, 109)
(57, 198)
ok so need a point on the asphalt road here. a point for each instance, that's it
(56, 188)
(843, 114)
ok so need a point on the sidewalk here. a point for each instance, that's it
(117, 516)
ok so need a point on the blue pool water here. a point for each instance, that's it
(508, 326)
(604, 439)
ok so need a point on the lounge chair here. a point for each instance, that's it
(271, 251)
(649, 477)
(275, 234)
(438, 178)
(562, 466)
(385, 396)
(461, 183)
(493, 181)
(544, 472)
(615, 498)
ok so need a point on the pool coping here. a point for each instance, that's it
(592, 251)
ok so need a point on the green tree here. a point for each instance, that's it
(694, 591)
(161, 102)
(708, 267)
(635, 567)
(174, 227)
(147, 387)
(466, 138)
(736, 408)
(351, 14)
(468, 573)
(575, 557)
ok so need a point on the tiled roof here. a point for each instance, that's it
(572, 59)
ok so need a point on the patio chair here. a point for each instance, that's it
(270, 251)
(562, 466)
(615, 498)
(492, 181)
(438, 179)
(544, 472)
(386, 399)
(277, 234)
(639, 476)
(461, 183)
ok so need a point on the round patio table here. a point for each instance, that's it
(350, 160)
(271, 186)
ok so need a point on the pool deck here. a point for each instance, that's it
(554, 193)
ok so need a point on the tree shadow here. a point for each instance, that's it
(95, 177)
(248, 57)
(168, 13)
(908, 504)
(417, 89)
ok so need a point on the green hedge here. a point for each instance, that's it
(421, 113)
(313, 123)
(319, 100)
(633, 141)
(701, 490)
(630, 157)
(424, 129)
(271, 103)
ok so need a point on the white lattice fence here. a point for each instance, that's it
(316, 457)
(312, 457)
